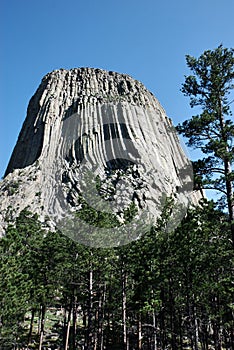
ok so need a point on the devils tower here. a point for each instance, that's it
(95, 137)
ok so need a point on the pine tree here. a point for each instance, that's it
(212, 130)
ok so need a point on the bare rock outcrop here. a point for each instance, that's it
(97, 137)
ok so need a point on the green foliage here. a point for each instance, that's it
(209, 89)
(172, 279)
(102, 219)
(212, 80)
(97, 218)
(12, 187)
(212, 130)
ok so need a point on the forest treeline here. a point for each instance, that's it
(167, 290)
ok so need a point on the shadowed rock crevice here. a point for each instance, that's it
(30, 141)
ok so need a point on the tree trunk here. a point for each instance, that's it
(162, 321)
(31, 327)
(228, 172)
(180, 330)
(89, 330)
(196, 330)
(74, 329)
(230, 199)
(64, 325)
(124, 310)
(68, 329)
(172, 316)
(139, 332)
(42, 327)
(67, 335)
(101, 303)
(155, 332)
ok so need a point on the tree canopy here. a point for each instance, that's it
(210, 87)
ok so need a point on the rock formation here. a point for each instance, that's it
(95, 137)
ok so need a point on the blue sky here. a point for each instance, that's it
(145, 39)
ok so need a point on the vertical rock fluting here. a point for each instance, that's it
(84, 122)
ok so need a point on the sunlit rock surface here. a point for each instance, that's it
(87, 126)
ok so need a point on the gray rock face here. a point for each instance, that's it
(95, 137)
